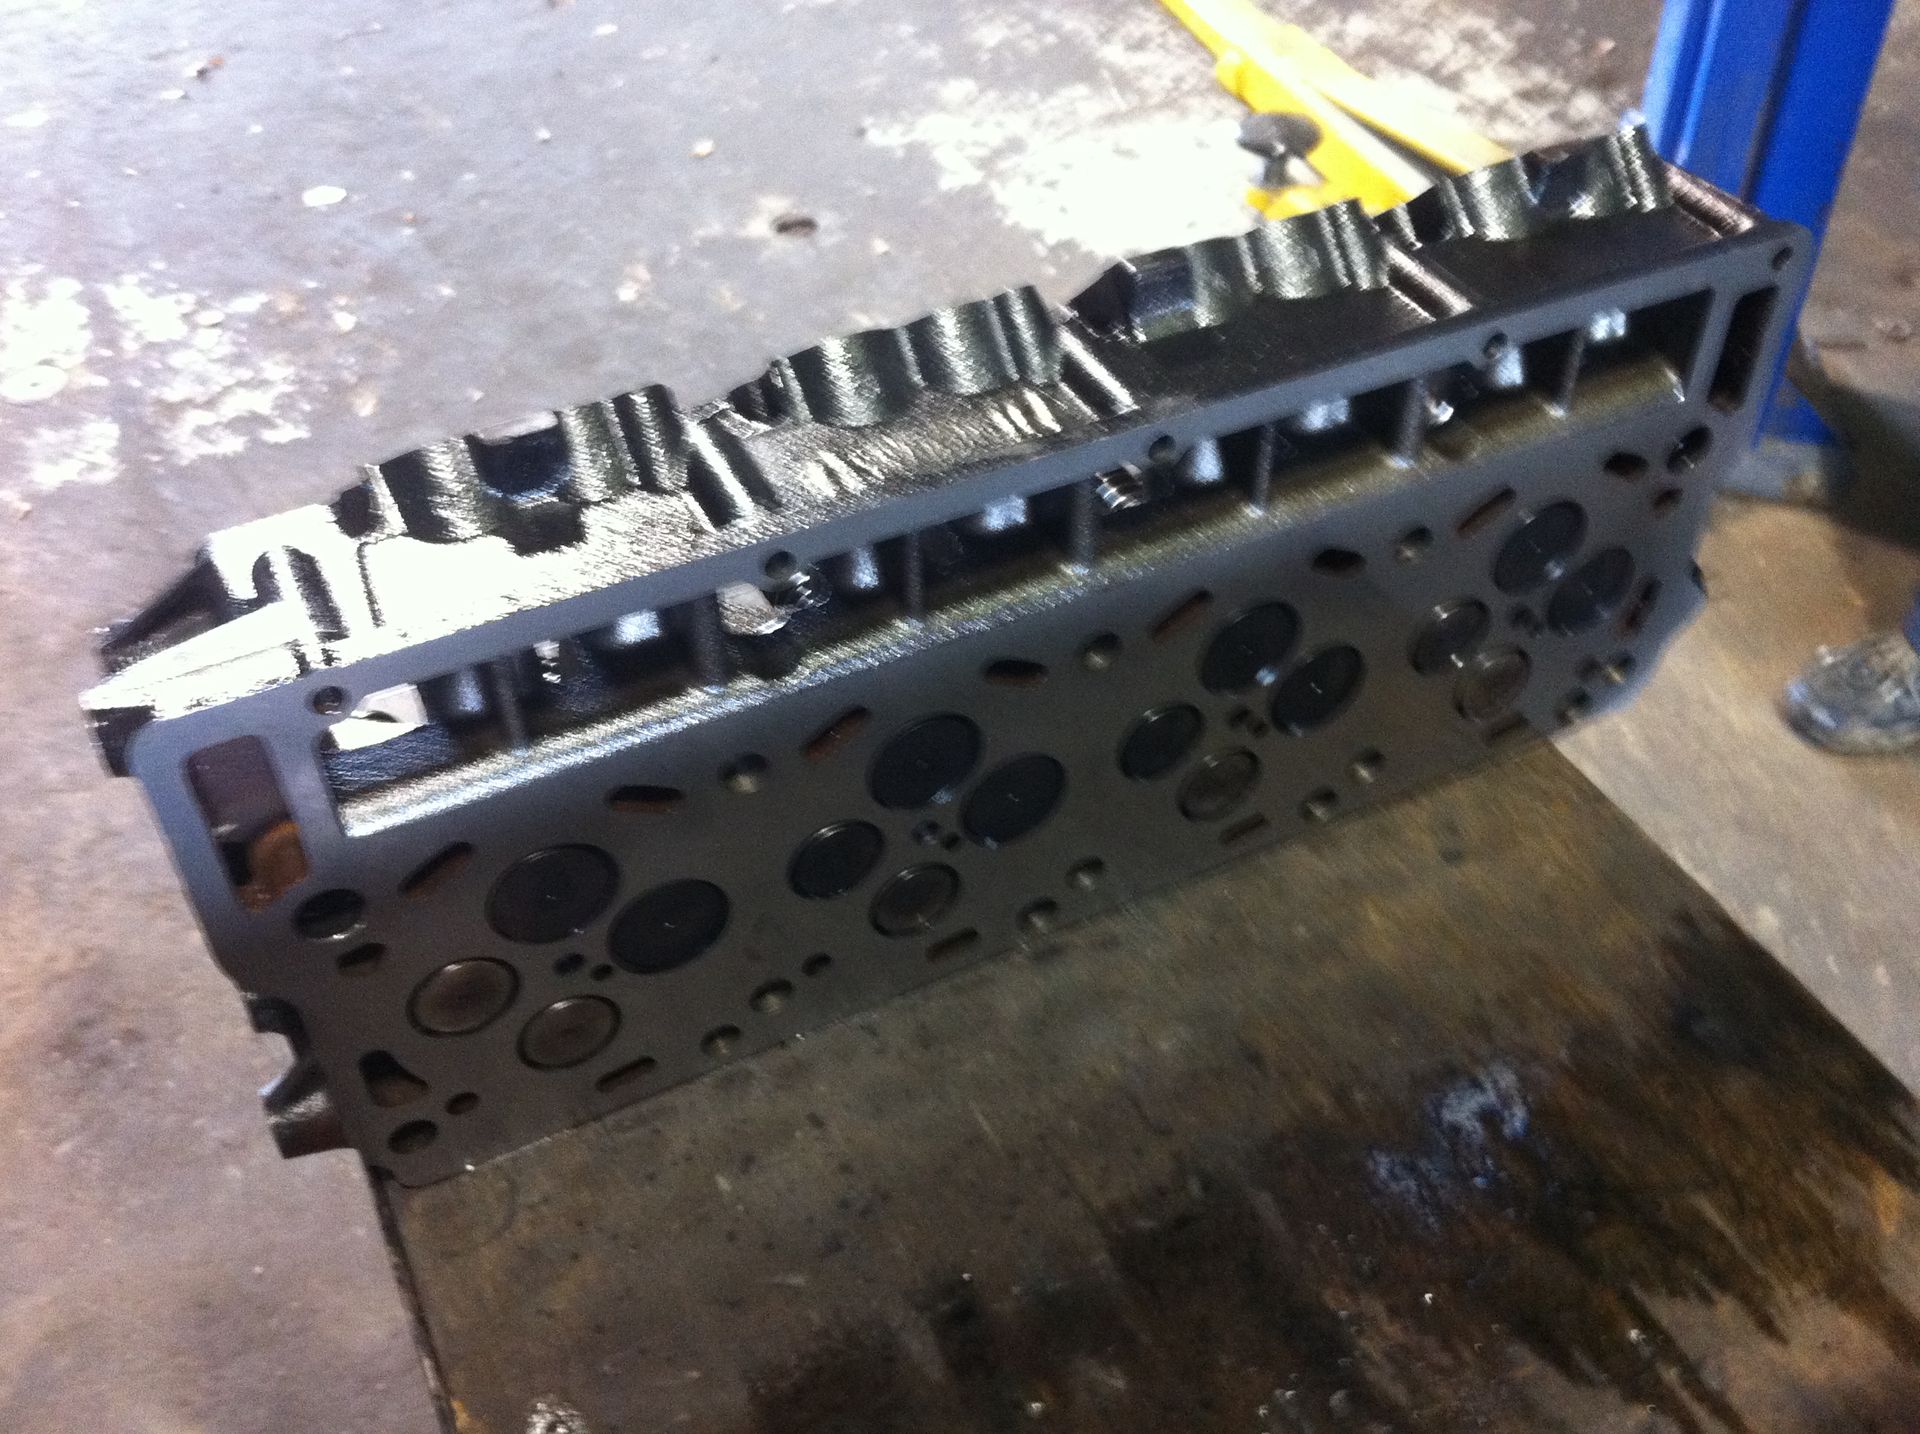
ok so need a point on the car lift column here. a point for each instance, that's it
(1762, 97)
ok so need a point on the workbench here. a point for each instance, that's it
(1473, 1112)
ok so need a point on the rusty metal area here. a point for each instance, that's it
(549, 767)
(1471, 1114)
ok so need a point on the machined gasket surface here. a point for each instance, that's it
(544, 769)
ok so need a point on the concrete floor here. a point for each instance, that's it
(195, 328)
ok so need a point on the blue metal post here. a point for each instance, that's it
(1762, 97)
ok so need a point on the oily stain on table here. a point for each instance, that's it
(1473, 1114)
(1556, 1218)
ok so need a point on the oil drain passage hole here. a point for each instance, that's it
(1338, 562)
(957, 944)
(1365, 767)
(328, 701)
(745, 774)
(363, 960)
(1015, 672)
(780, 566)
(1666, 500)
(569, 964)
(1625, 465)
(1495, 346)
(622, 1075)
(1186, 612)
(1100, 653)
(1486, 513)
(330, 914)
(1087, 874)
(817, 965)
(1413, 545)
(462, 1103)
(1524, 619)
(720, 1041)
(771, 997)
(1782, 255)
(601, 972)
(641, 798)
(1163, 449)
(414, 1136)
(437, 870)
(836, 734)
(1321, 805)
(1040, 917)
(1685, 455)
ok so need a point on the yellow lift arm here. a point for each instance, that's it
(1337, 113)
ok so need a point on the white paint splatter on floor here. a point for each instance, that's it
(192, 380)
(146, 317)
(635, 280)
(86, 451)
(211, 393)
(1077, 167)
(45, 333)
(1082, 162)
(1093, 164)
(1489, 70)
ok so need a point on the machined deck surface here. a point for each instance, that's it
(1471, 1113)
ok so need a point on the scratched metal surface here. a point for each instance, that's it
(1473, 1114)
